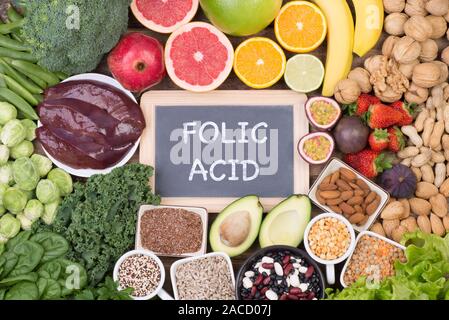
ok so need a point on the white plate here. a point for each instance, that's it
(335, 164)
(86, 173)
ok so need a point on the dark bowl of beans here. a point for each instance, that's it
(280, 273)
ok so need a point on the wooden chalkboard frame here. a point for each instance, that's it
(152, 99)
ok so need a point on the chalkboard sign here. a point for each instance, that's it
(209, 149)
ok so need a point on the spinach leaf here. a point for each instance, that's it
(55, 246)
(73, 277)
(10, 281)
(49, 289)
(2, 294)
(8, 261)
(50, 270)
(23, 291)
(21, 237)
(30, 255)
(2, 248)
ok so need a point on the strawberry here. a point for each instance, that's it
(378, 140)
(396, 138)
(362, 105)
(368, 162)
(406, 110)
(380, 116)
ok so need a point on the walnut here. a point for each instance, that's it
(391, 6)
(394, 23)
(347, 91)
(388, 82)
(361, 76)
(429, 50)
(439, 27)
(388, 95)
(445, 55)
(373, 63)
(444, 71)
(416, 94)
(406, 50)
(416, 8)
(446, 17)
(426, 75)
(437, 7)
(419, 28)
(388, 45)
(407, 69)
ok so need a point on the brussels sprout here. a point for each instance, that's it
(4, 154)
(29, 193)
(13, 133)
(6, 176)
(47, 191)
(2, 210)
(25, 223)
(25, 174)
(7, 112)
(14, 200)
(23, 149)
(62, 179)
(9, 227)
(30, 128)
(50, 211)
(3, 188)
(33, 210)
(42, 164)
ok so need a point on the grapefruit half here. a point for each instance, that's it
(198, 57)
(164, 16)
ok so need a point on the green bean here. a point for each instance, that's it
(9, 27)
(9, 43)
(38, 97)
(61, 75)
(21, 105)
(45, 75)
(13, 15)
(17, 54)
(41, 83)
(27, 84)
(19, 90)
(2, 83)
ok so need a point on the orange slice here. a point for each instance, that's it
(300, 27)
(259, 62)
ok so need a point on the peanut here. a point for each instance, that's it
(435, 138)
(419, 122)
(417, 173)
(437, 226)
(424, 190)
(427, 132)
(424, 224)
(427, 173)
(422, 158)
(439, 205)
(444, 189)
(440, 174)
(438, 157)
(420, 207)
(408, 152)
(413, 135)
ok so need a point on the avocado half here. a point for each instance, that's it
(285, 224)
(236, 228)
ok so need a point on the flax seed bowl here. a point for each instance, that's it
(280, 273)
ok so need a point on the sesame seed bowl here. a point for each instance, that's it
(280, 273)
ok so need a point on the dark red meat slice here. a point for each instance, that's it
(104, 96)
(86, 119)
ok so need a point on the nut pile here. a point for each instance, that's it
(408, 66)
(205, 278)
(346, 194)
(329, 238)
(280, 275)
(141, 273)
(373, 258)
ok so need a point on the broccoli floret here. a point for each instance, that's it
(50, 30)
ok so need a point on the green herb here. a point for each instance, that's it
(425, 275)
(99, 218)
(108, 290)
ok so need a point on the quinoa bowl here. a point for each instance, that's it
(299, 265)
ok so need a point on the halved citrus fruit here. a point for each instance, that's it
(259, 62)
(164, 16)
(300, 26)
(304, 73)
(198, 57)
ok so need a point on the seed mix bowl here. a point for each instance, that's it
(280, 273)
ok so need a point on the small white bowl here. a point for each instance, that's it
(334, 165)
(200, 211)
(361, 234)
(330, 264)
(86, 173)
(175, 266)
(158, 291)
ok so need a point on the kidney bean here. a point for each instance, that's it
(295, 291)
(287, 269)
(311, 295)
(292, 297)
(264, 289)
(284, 297)
(286, 259)
(266, 281)
(309, 272)
(253, 291)
(259, 280)
(268, 266)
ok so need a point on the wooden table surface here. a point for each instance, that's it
(232, 83)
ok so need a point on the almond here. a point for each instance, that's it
(439, 205)
(389, 225)
(345, 195)
(327, 187)
(437, 225)
(347, 174)
(356, 218)
(392, 211)
(326, 180)
(425, 190)
(334, 177)
(372, 207)
(343, 185)
(355, 200)
(410, 224)
(319, 198)
(336, 209)
(358, 208)
(359, 192)
(424, 224)
(397, 233)
(364, 221)
(377, 228)
(330, 194)
(371, 196)
(354, 186)
(420, 207)
(406, 205)
(346, 208)
(334, 202)
(362, 184)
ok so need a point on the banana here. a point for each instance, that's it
(340, 42)
(369, 24)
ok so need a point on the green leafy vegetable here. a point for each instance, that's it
(30, 254)
(23, 291)
(54, 245)
(108, 290)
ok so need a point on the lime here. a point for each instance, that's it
(304, 73)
